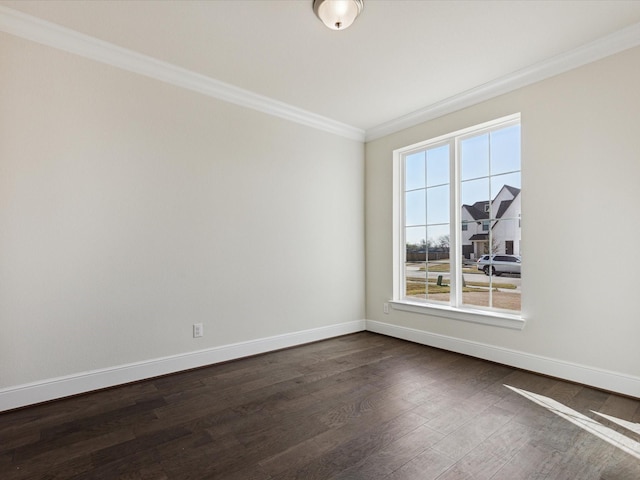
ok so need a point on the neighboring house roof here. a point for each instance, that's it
(513, 190)
(477, 210)
(504, 205)
(479, 237)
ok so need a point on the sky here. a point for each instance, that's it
(487, 162)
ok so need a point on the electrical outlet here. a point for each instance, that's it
(198, 330)
(385, 307)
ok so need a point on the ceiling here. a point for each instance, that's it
(400, 56)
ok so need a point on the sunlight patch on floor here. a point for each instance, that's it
(616, 439)
(634, 427)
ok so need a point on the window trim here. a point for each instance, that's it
(481, 316)
(484, 317)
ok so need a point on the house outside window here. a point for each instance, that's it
(458, 202)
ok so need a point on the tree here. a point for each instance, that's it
(443, 242)
(417, 247)
(495, 245)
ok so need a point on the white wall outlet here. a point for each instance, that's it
(198, 330)
(385, 307)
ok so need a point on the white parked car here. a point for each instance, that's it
(498, 264)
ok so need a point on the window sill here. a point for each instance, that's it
(495, 319)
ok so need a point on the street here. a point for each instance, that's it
(414, 272)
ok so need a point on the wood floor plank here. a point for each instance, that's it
(392, 456)
(620, 467)
(473, 433)
(531, 461)
(428, 465)
(351, 449)
(586, 459)
(361, 406)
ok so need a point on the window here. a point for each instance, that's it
(457, 202)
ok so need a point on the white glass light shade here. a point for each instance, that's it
(337, 14)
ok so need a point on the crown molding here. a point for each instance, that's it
(53, 35)
(624, 39)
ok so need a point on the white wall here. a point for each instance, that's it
(131, 209)
(581, 168)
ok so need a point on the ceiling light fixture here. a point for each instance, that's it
(337, 14)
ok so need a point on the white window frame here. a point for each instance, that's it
(455, 311)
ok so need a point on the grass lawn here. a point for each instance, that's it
(470, 295)
(444, 267)
(418, 285)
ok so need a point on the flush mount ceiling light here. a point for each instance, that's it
(337, 14)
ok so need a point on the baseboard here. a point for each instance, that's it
(55, 388)
(598, 378)
(51, 389)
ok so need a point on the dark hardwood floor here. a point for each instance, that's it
(362, 406)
